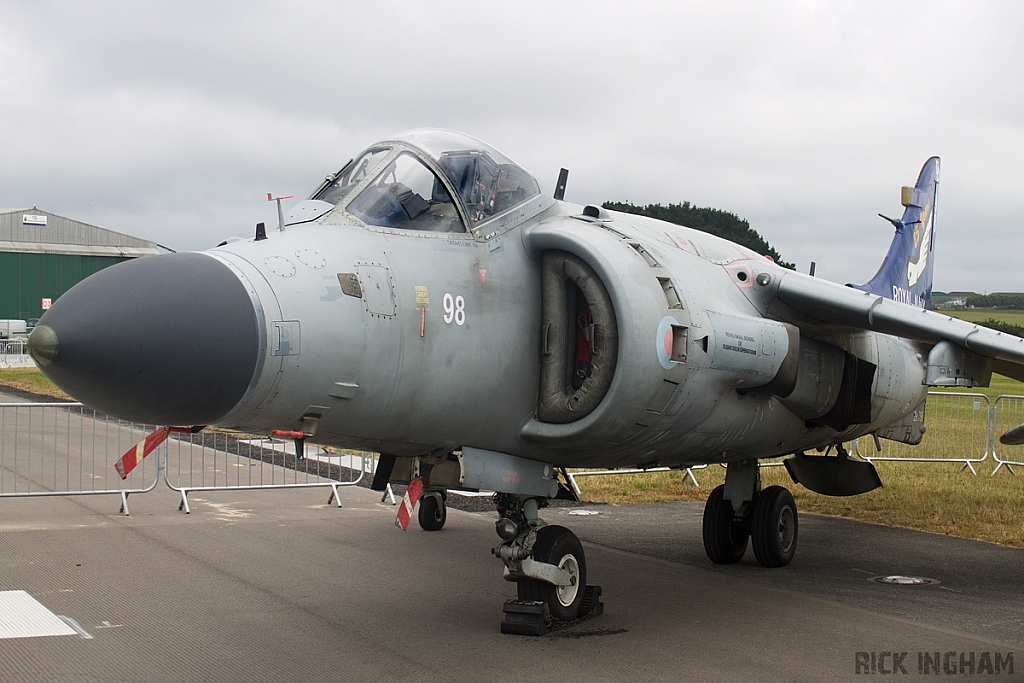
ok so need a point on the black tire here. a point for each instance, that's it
(725, 538)
(774, 527)
(433, 513)
(558, 546)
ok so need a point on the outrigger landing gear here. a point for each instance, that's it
(739, 510)
(433, 511)
(549, 568)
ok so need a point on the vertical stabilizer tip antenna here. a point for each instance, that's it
(563, 176)
(280, 214)
(896, 222)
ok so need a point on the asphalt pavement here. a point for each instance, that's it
(278, 586)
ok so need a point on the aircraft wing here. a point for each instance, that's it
(835, 304)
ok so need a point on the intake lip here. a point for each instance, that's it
(169, 339)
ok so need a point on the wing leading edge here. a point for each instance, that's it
(835, 304)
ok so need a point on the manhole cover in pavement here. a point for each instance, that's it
(900, 580)
(584, 513)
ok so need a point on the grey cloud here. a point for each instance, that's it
(173, 120)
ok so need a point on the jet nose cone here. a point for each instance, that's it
(169, 339)
(42, 344)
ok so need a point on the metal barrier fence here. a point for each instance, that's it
(13, 354)
(217, 460)
(961, 428)
(596, 473)
(958, 429)
(1007, 413)
(60, 449)
(64, 449)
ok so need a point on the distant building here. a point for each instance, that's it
(959, 299)
(43, 255)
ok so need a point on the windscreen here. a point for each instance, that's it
(353, 174)
(408, 196)
(487, 187)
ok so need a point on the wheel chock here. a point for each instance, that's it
(527, 618)
(591, 605)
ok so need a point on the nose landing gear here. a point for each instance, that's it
(549, 567)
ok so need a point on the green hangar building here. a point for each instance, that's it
(43, 255)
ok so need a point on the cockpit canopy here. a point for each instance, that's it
(408, 182)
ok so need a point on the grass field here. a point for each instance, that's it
(31, 379)
(977, 315)
(934, 497)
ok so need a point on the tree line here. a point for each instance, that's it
(706, 219)
(998, 300)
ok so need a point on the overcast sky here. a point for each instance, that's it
(172, 121)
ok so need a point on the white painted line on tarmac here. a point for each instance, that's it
(22, 616)
(74, 624)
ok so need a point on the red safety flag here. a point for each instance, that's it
(409, 503)
(134, 456)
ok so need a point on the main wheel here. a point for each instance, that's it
(558, 546)
(774, 527)
(433, 512)
(725, 538)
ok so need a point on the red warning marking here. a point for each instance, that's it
(409, 502)
(134, 456)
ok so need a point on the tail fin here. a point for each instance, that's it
(906, 273)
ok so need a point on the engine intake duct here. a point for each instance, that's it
(579, 339)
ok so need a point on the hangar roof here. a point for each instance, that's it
(36, 231)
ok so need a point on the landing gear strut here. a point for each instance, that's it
(739, 510)
(549, 568)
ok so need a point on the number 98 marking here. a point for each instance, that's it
(454, 309)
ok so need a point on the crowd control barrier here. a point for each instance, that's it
(958, 428)
(1007, 413)
(64, 449)
(67, 449)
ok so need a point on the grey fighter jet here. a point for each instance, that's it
(429, 302)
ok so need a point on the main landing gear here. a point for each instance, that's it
(739, 510)
(548, 565)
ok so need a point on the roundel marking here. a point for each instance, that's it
(663, 342)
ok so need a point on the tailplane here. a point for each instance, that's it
(906, 272)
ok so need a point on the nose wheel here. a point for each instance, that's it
(548, 566)
(558, 546)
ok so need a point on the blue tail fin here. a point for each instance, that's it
(906, 272)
